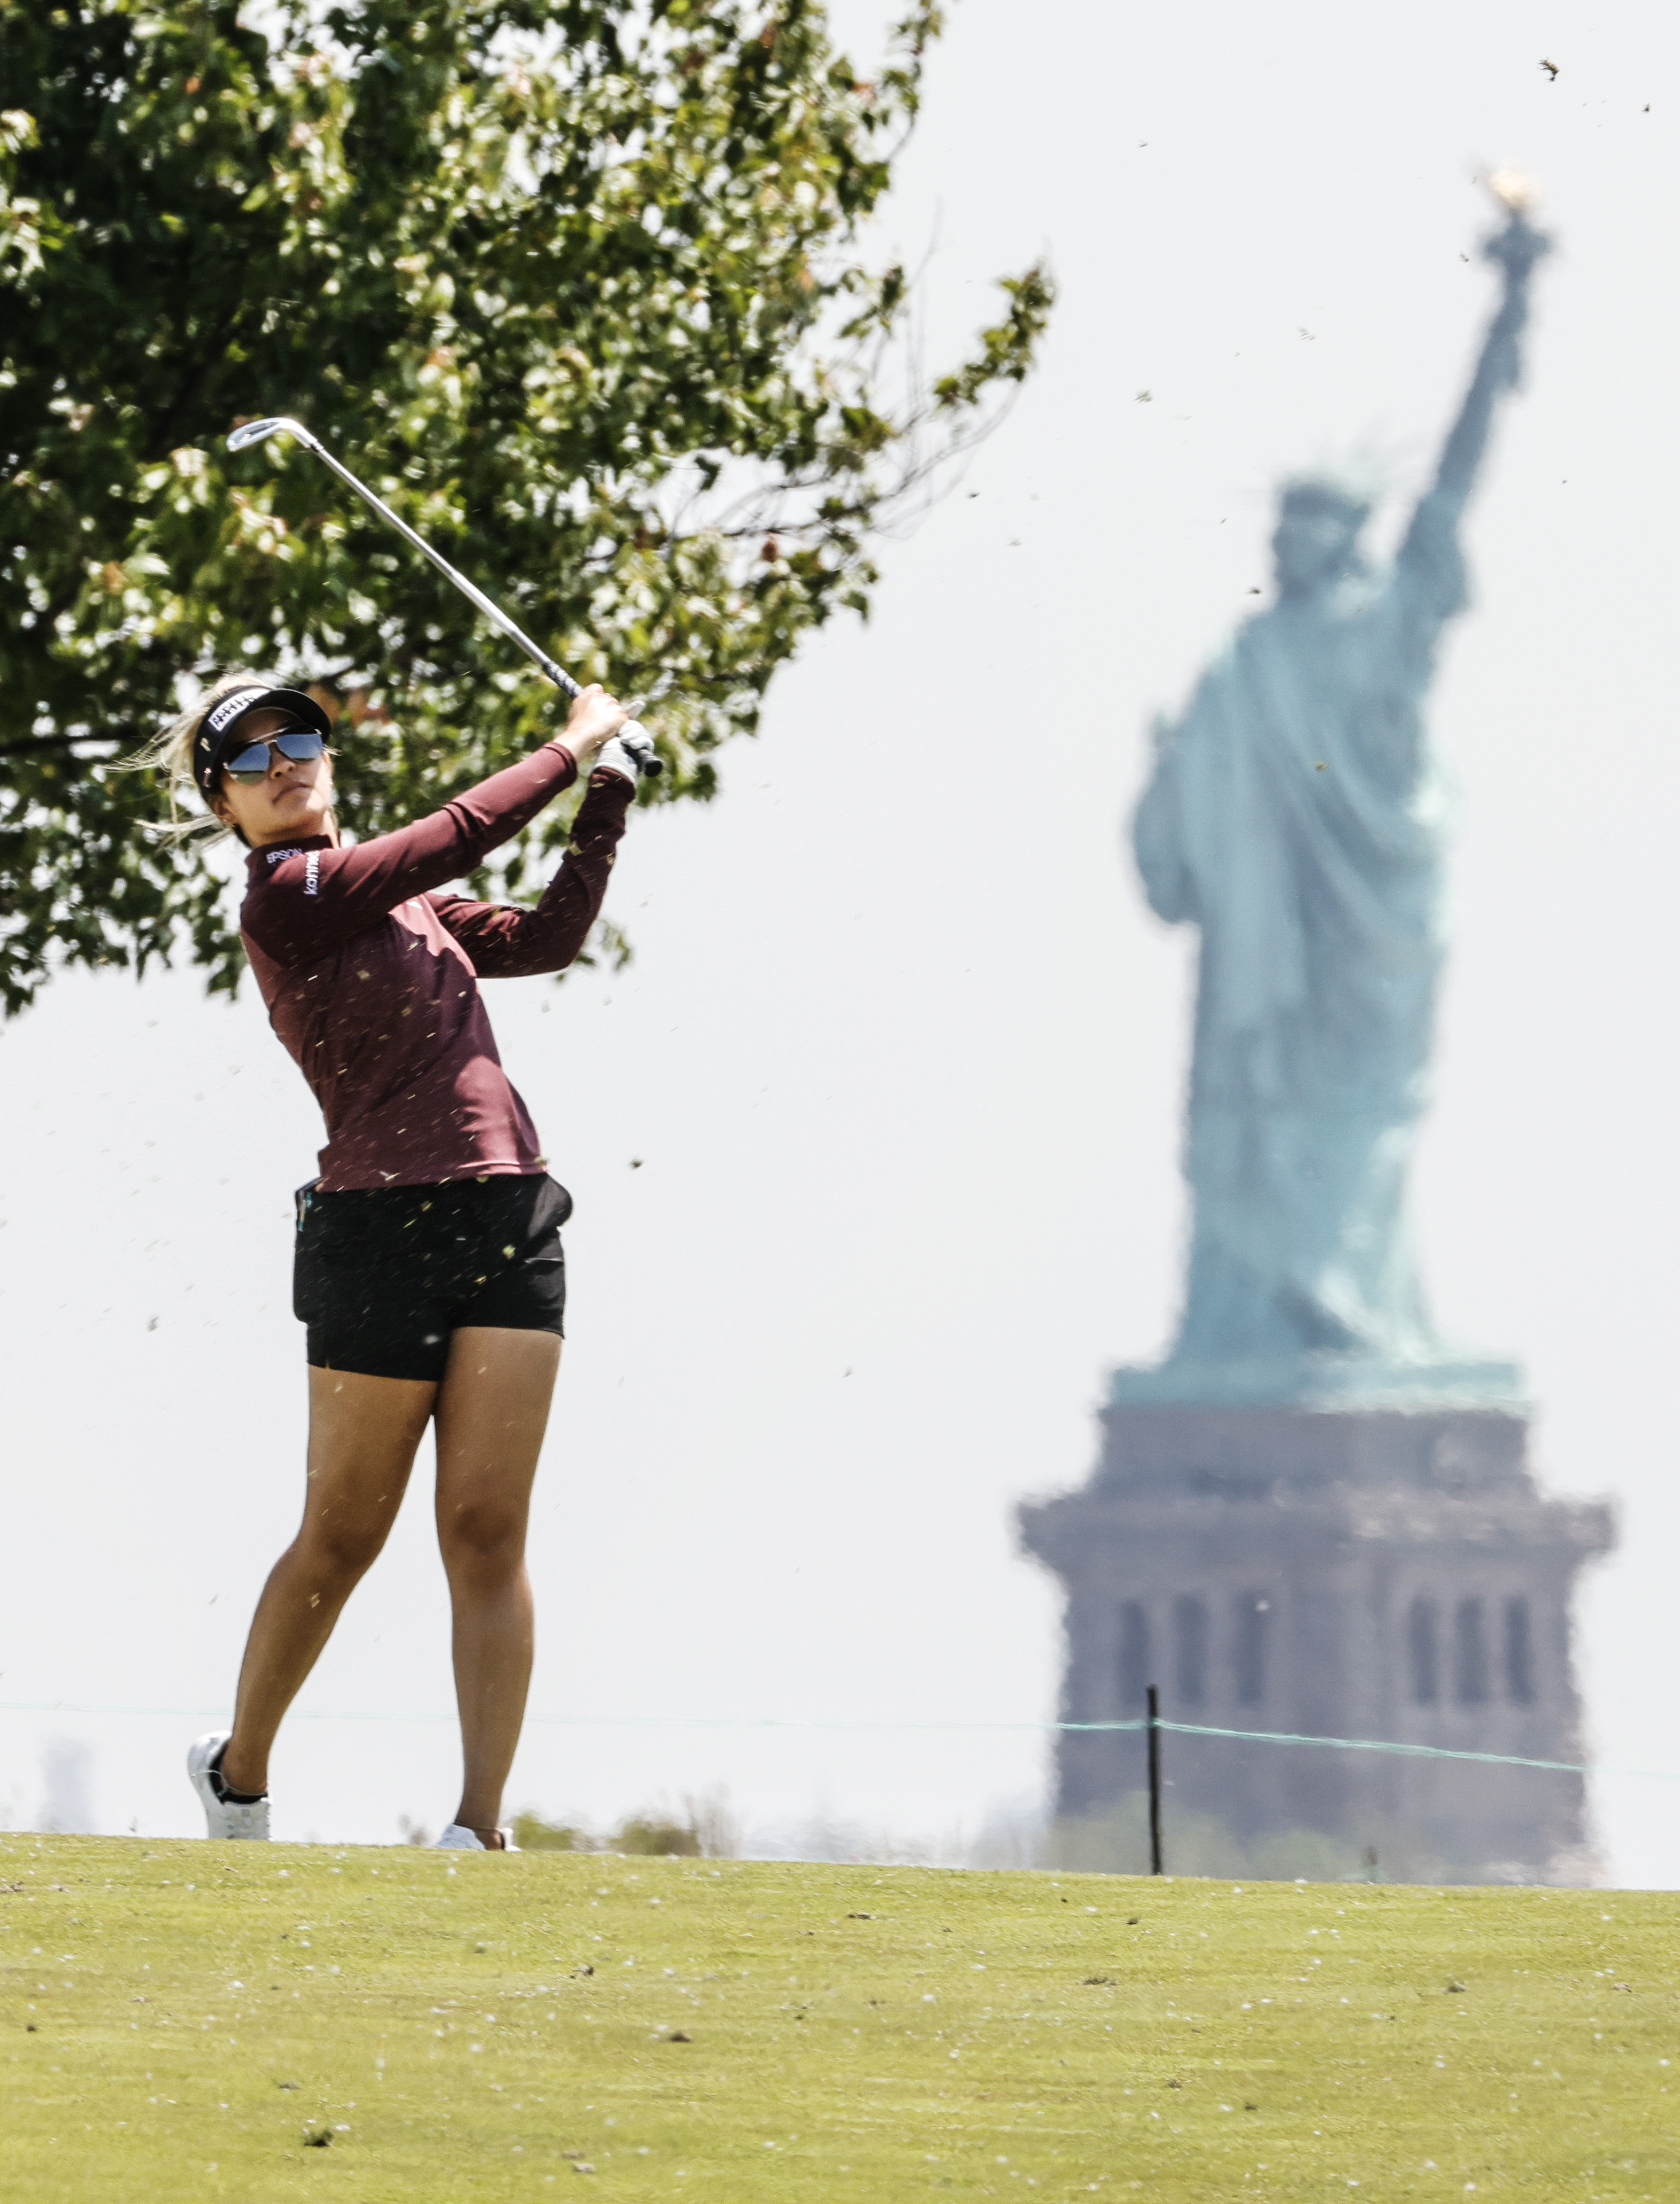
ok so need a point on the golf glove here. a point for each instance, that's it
(617, 757)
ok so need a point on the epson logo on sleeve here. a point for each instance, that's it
(273, 857)
(230, 707)
(312, 873)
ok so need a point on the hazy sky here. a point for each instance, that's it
(903, 1051)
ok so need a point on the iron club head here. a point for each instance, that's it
(258, 432)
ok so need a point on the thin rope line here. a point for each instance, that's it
(807, 1722)
(1385, 1745)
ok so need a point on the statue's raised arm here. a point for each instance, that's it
(1431, 541)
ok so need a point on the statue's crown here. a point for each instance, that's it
(1338, 496)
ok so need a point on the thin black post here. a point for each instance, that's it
(1153, 1727)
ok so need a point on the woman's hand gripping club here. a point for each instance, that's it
(595, 731)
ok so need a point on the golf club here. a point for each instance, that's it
(634, 736)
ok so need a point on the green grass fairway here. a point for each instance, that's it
(180, 2019)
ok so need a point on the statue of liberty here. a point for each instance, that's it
(1294, 817)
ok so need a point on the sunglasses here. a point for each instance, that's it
(250, 765)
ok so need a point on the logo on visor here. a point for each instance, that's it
(229, 708)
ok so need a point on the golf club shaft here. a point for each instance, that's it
(635, 738)
(492, 612)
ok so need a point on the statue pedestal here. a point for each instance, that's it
(1367, 1574)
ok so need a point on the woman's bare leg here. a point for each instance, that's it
(363, 1432)
(492, 1412)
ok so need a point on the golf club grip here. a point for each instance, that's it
(639, 742)
(633, 735)
(562, 680)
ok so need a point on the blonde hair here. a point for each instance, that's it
(170, 752)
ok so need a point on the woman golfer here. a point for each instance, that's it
(428, 1267)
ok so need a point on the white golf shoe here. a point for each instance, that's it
(455, 1839)
(225, 1817)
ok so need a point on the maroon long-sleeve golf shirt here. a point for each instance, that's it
(371, 976)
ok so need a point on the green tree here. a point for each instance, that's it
(574, 283)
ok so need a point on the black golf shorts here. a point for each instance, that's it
(382, 1277)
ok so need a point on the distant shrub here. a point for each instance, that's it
(657, 1840)
(531, 1833)
(702, 1828)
